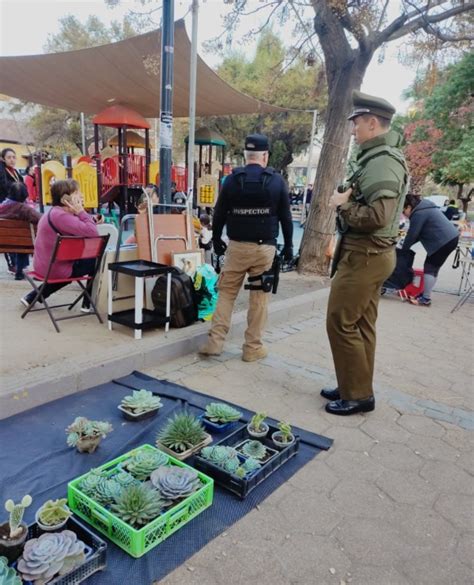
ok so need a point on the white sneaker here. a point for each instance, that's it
(24, 302)
(86, 309)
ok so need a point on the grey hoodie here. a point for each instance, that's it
(429, 226)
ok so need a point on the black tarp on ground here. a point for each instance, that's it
(35, 459)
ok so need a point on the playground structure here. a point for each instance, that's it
(111, 175)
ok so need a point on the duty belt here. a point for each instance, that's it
(259, 242)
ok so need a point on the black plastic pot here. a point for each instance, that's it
(12, 547)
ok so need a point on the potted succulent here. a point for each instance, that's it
(138, 505)
(257, 428)
(139, 405)
(53, 553)
(220, 416)
(182, 436)
(283, 437)
(85, 434)
(228, 459)
(8, 575)
(143, 463)
(175, 483)
(14, 532)
(53, 515)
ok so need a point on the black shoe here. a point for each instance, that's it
(19, 276)
(330, 393)
(347, 407)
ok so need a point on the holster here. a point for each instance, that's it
(337, 255)
(269, 279)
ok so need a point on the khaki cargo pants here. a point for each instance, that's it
(241, 258)
(351, 317)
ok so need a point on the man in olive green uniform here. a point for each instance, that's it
(368, 217)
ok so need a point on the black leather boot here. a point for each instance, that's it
(330, 393)
(347, 407)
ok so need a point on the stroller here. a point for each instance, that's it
(404, 280)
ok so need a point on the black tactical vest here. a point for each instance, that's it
(252, 216)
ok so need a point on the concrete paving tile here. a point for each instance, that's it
(351, 439)
(434, 449)
(316, 477)
(396, 456)
(383, 430)
(352, 464)
(364, 575)
(457, 509)
(436, 568)
(465, 549)
(324, 515)
(420, 425)
(458, 438)
(375, 541)
(449, 478)
(466, 461)
(360, 499)
(407, 488)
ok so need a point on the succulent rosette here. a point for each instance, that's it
(174, 482)
(54, 553)
(144, 462)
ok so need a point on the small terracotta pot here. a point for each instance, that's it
(88, 444)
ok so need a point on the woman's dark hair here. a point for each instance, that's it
(452, 202)
(205, 220)
(5, 150)
(61, 188)
(411, 200)
(18, 192)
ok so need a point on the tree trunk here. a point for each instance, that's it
(320, 225)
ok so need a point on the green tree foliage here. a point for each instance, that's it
(274, 77)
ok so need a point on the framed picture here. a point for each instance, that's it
(188, 261)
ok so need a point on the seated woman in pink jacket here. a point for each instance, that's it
(68, 218)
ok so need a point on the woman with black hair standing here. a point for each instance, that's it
(8, 176)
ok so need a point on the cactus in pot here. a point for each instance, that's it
(53, 553)
(14, 532)
(140, 402)
(257, 428)
(283, 437)
(85, 434)
(175, 483)
(53, 514)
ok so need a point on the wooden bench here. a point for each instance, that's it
(17, 236)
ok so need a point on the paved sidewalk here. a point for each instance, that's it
(391, 502)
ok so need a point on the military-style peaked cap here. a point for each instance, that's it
(369, 104)
(257, 143)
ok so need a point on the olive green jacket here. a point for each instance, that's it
(379, 188)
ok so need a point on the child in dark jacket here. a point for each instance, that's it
(14, 207)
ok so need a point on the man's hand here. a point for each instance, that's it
(287, 253)
(339, 198)
(219, 247)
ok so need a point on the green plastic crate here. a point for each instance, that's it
(137, 542)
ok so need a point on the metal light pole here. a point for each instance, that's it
(192, 113)
(308, 170)
(83, 133)
(166, 106)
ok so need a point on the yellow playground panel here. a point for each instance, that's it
(86, 176)
(207, 190)
(51, 171)
(154, 172)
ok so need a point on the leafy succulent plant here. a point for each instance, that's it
(257, 420)
(222, 413)
(143, 463)
(54, 512)
(285, 431)
(89, 484)
(182, 432)
(8, 575)
(16, 514)
(84, 428)
(254, 449)
(51, 554)
(222, 456)
(107, 491)
(175, 482)
(138, 505)
(251, 464)
(141, 401)
(125, 479)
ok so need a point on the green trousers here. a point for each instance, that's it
(351, 317)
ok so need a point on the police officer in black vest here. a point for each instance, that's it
(253, 201)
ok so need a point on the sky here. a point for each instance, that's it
(25, 25)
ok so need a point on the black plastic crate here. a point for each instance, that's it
(243, 486)
(96, 556)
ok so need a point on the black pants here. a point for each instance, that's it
(434, 262)
(79, 268)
